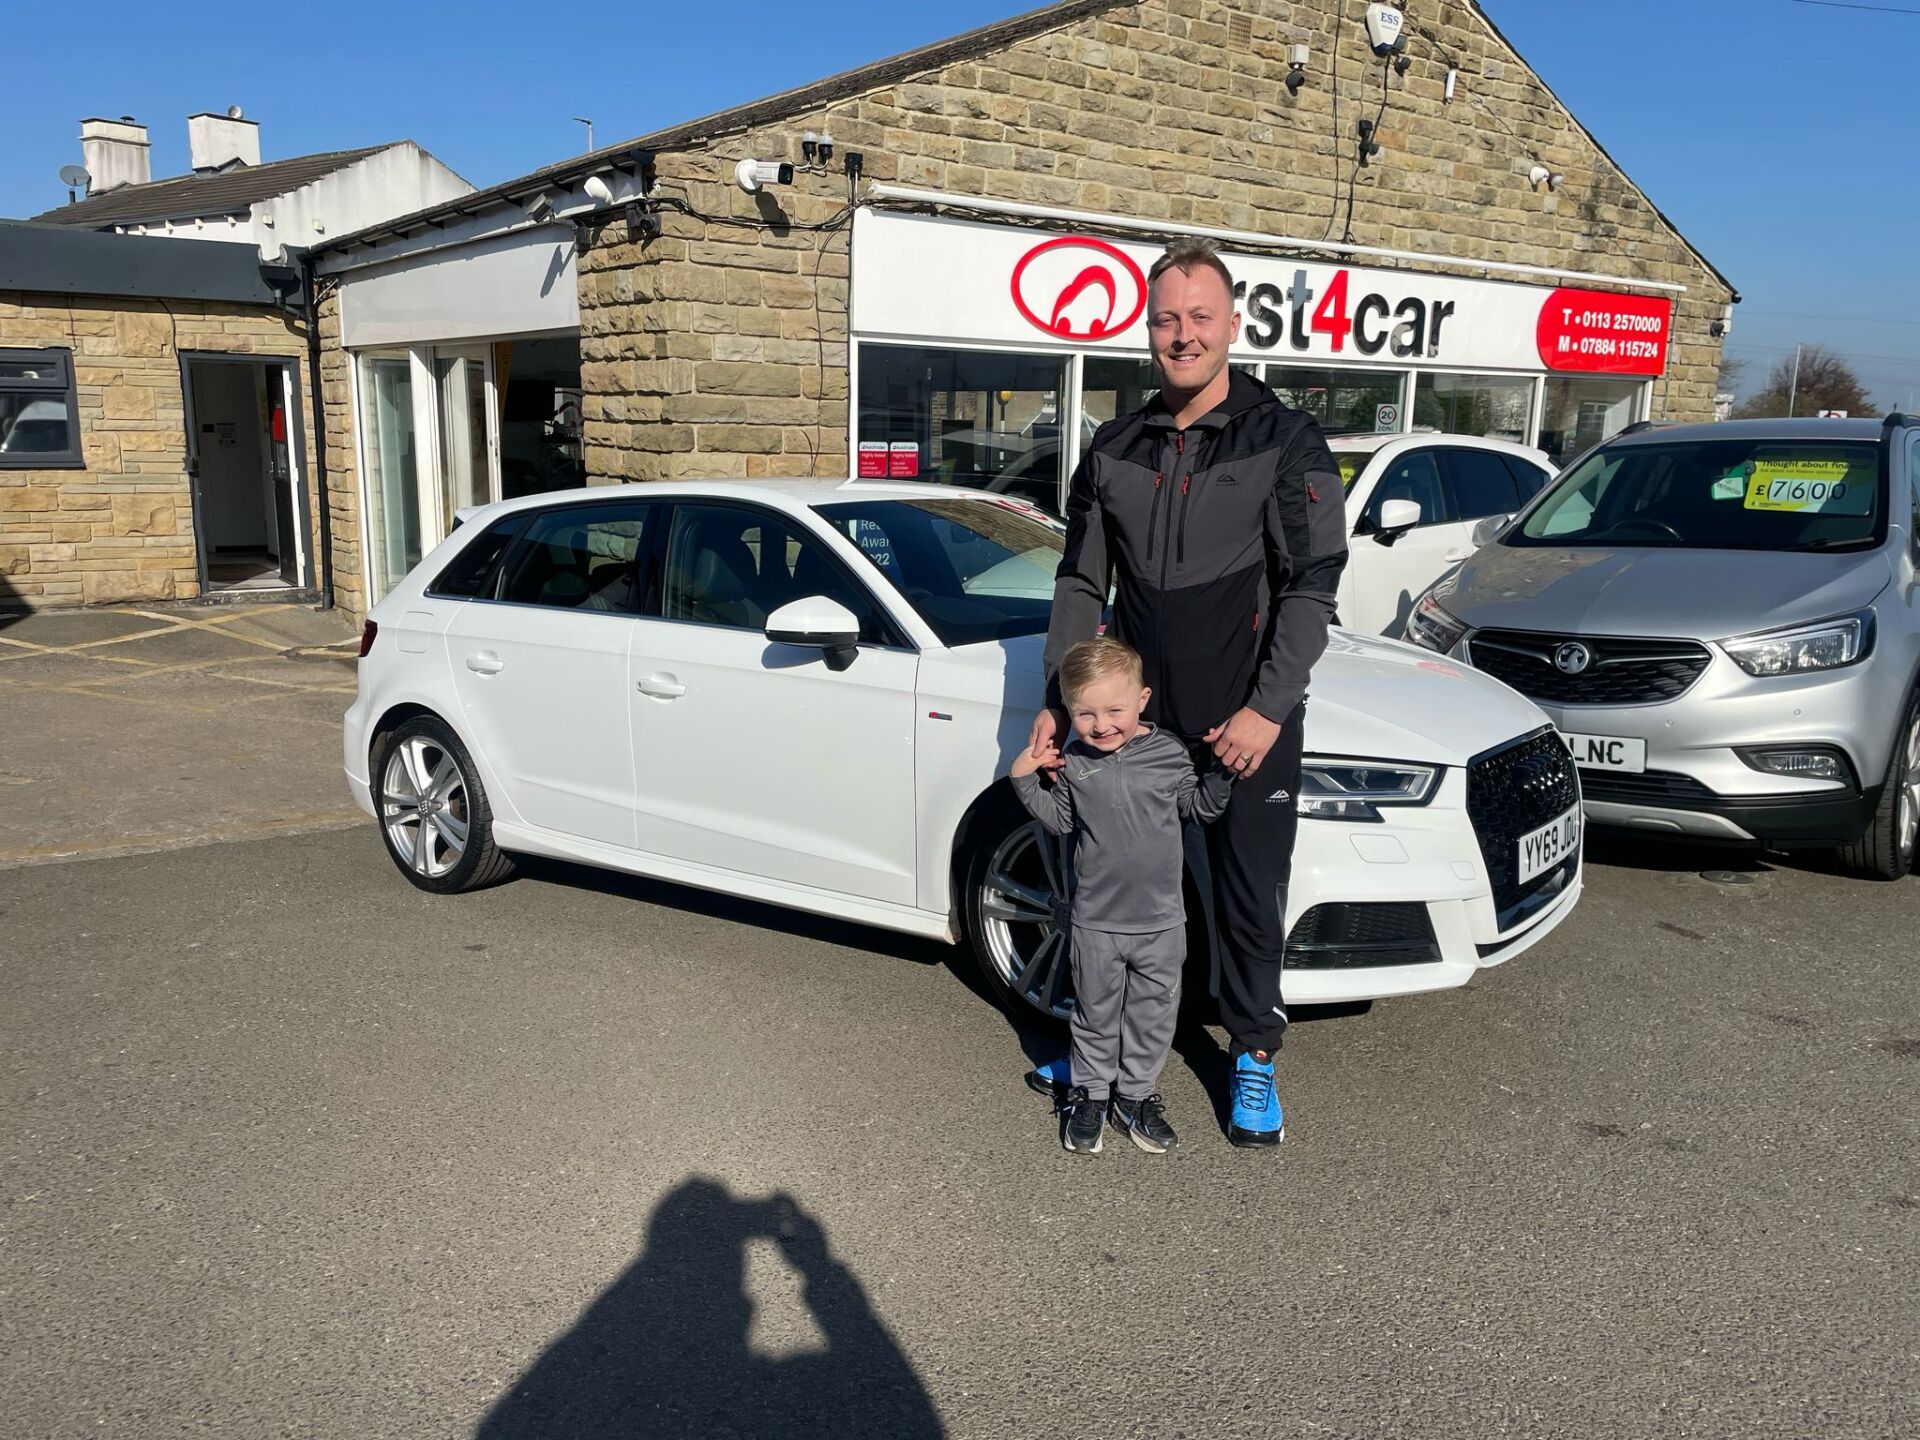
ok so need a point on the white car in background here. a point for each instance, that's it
(1413, 505)
(805, 692)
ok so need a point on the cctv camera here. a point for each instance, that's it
(598, 190)
(538, 208)
(1385, 32)
(752, 175)
(1540, 175)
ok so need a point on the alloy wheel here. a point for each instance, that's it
(1023, 910)
(424, 807)
(1910, 799)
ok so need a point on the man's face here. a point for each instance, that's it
(1106, 711)
(1191, 321)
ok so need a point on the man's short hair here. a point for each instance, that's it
(1095, 659)
(1188, 255)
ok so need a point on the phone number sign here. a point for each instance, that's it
(1598, 332)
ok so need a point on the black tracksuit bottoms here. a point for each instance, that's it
(1250, 851)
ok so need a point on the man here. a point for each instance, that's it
(1219, 515)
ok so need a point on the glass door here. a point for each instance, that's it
(429, 446)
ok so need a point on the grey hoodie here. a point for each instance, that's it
(1125, 810)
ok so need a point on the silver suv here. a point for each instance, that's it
(1724, 622)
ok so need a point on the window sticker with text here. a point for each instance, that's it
(1820, 487)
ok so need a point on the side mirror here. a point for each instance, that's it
(817, 623)
(1396, 518)
(1490, 529)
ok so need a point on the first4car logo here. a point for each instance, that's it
(1079, 289)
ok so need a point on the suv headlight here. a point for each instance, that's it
(1826, 646)
(1432, 626)
(1355, 789)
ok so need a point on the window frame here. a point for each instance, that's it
(894, 636)
(62, 387)
(522, 521)
(1369, 522)
(1447, 454)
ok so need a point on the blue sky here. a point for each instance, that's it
(1777, 135)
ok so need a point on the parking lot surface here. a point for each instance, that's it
(290, 1148)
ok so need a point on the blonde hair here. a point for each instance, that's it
(1095, 659)
(1188, 255)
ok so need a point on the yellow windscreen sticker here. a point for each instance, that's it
(1825, 487)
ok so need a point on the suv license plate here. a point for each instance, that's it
(1542, 849)
(1607, 752)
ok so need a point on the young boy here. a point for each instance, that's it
(1122, 789)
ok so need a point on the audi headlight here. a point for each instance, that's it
(1826, 646)
(1355, 789)
(1432, 626)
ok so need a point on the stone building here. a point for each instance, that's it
(951, 287)
(154, 431)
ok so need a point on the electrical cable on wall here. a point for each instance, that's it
(1333, 86)
(1361, 151)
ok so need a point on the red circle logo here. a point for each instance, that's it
(1079, 289)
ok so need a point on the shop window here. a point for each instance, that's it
(967, 417)
(1581, 412)
(1496, 406)
(1345, 402)
(1110, 388)
(541, 445)
(39, 417)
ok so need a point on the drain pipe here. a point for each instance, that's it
(317, 409)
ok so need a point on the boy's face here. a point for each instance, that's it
(1106, 711)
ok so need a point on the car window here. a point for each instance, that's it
(735, 565)
(1351, 463)
(1531, 478)
(472, 568)
(577, 557)
(1741, 492)
(1412, 477)
(976, 570)
(1480, 483)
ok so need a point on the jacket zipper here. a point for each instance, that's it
(1153, 511)
(1179, 450)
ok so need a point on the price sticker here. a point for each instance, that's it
(1823, 487)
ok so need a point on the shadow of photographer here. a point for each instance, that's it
(665, 1351)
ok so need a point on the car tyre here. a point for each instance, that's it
(1886, 851)
(1015, 882)
(433, 812)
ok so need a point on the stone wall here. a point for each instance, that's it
(121, 529)
(342, 455)
(700, 348)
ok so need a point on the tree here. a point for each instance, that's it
(1826, 382)
(1733, 370)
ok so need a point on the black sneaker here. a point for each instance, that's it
(1053, 1079)
(1144, 1122)
(1081, 1120)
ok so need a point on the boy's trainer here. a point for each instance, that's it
(1144, 1122)
(1257, 1118)
(1081, 1120)
(1052, 1078)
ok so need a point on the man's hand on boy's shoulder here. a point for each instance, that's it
(1031, 758)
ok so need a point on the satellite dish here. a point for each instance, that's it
(233, 112)
(75, 175)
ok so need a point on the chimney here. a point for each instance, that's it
(219, 142)
(115, 153)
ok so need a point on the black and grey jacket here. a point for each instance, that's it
(1227, 541)
(1124, 808)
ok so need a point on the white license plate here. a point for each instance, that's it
(1542, 849)
(1607, 752)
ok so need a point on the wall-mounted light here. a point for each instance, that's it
(1540, 175)
(537, 207)
(1453, 79)
(1297, 59)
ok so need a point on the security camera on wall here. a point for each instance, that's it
(1386, 30)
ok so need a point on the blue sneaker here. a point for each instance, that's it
(1052, 1079)
(1257, 1118)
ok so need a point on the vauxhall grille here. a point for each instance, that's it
(1589, 670)
(1511, 792)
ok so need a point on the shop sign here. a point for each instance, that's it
(925, 278)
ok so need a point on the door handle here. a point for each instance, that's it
(486, 663)
(662, 687)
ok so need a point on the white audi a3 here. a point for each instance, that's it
(803, 692)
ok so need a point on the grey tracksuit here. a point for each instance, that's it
(1124, 810)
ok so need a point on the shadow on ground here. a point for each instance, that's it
(665, 1351)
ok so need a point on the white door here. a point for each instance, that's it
(757, 757)
(540, 664)
(1387, 573)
